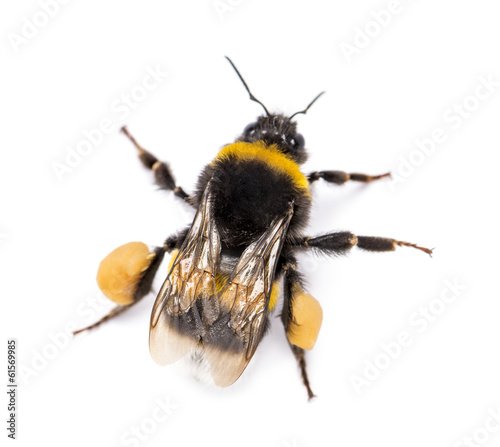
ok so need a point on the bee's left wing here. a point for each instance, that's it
(185, 305)
(227, 325)
(231, 342)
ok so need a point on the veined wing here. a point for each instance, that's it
(246, 296)
(226, 324)
(176, 322)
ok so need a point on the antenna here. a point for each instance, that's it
(253, 98)
(307, 108)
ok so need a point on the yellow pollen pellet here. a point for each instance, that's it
(308, 316)
(119, 272)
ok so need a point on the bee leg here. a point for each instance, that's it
(114, 312)
(143, 286)
(163, 176)
(341, 242)
(299, 354)
(340, 177)
(292, 278)
(373, 243)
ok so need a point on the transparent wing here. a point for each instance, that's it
(176, 320)
(246, 296)
(228, 324)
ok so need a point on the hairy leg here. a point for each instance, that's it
(163, 176)
(144, 282)
(340, 177)
(291, 279)
(340, 242)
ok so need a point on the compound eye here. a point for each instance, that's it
(250, 129)
(299, 140)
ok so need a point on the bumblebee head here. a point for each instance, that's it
(279, 130)
(276, 128)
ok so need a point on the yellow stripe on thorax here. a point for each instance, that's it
(270, 155)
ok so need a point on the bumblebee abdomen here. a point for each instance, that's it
(252, 184)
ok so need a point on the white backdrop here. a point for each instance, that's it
(409, 350)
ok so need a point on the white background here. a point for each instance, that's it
(92, 390)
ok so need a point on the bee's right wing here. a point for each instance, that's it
(230, 343)
(185, 303)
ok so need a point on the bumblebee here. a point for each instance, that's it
(252, 205)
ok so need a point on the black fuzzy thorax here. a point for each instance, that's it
(247, 195)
